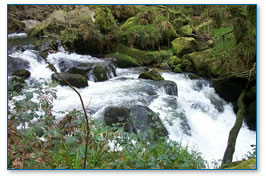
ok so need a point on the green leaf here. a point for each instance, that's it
(71, 140)
(38, 131)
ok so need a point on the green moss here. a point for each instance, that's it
(142, 57)
(104, 19)
(53, 24)
(123, 12)
(187, 30)
(161, 55)
(151, 75)
(245, 164)
(100, 73)
(85, 39)
(130, 22)
(184, 45)
(149, 28)
(143, 36)
(21, 73)
(124, 61)
(205, 65)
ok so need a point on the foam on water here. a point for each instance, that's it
(209, 128)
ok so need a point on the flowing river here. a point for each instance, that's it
(197, 117)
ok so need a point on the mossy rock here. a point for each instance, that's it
(187, 30)
(244, 164)
(205, 65)
(151, 75)
(84, 40)
(76, 80)
(123, 12)
(161, 55)
(100, 73)
(104, 19)
(124, 61)
(173, 61)
(53, 24)
(184, 45)
(23, 73)
(151, 28)
(14, 25)
(193, 76)
(135, 57)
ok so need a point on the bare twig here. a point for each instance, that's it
(84, 110)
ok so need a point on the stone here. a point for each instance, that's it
(151, 75)
(135, 119)
(75, 80)
(23, 73)
(184, 45)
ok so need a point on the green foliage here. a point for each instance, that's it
(48, 144)
(104, 19)
(143, 36)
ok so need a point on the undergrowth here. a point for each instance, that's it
(36, 140)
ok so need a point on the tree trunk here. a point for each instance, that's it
(230, 149)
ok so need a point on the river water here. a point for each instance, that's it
(197, 117)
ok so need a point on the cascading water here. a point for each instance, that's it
(197, 117)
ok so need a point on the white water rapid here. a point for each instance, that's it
(206, 118)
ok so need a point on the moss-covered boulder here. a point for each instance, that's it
(100, 73)
(54, 23)
(244, 164)
(151, 75)
(124, 61)
(76, 80)
(149, 29)
(205, 65)
(193, 76)
(131, 57)
(123, 12)
(23, 73)
(187, 30)
(180, 65)
(104, 19)
(184, 45)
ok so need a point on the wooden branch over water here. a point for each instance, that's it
(230, 149)
(84, 110)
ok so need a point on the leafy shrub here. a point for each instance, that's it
(44, 143)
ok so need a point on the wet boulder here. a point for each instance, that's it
(135, 119)
(170, 87)
(17, 64)
(184, 45)
(23, 73)
(76, 80)
(151, 75)
(94, 71)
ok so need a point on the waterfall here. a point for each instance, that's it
(197, 117)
